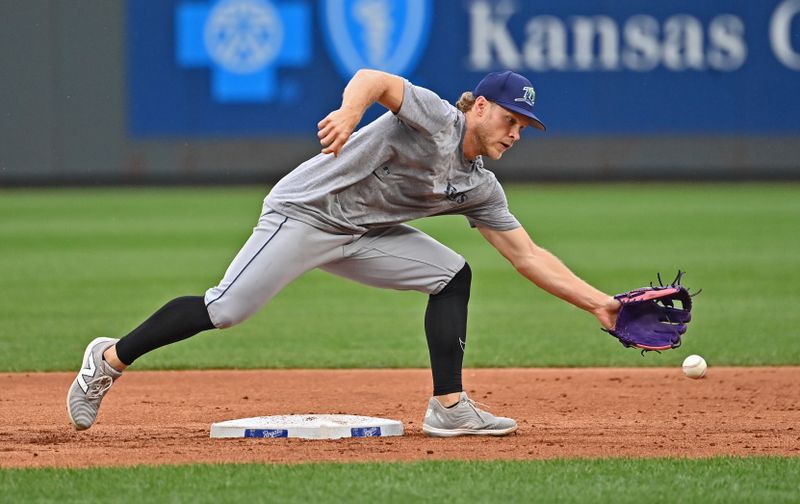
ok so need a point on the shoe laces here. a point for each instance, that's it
(474, 405)
(98, 387)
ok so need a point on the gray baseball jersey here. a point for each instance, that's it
(344, 215)
(397, 168)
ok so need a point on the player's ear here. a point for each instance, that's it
(481, 105)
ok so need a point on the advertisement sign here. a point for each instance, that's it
(225, 68)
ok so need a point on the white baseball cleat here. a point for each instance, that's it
(90, 386)
(464, 419)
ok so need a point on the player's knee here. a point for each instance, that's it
(225, 317)
(225, 321)
(459, 284)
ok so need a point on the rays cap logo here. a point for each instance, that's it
(388, 35)
(244, 42)
(511, 91)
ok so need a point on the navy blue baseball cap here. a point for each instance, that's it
(511, 91)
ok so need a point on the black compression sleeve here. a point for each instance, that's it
(446, 331)
(179, 319)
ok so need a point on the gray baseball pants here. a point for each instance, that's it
(281, 249)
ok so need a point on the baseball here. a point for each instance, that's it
(694, 366)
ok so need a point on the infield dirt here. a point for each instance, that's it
(164, 417)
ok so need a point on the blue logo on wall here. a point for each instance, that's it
(243, 43)
(388, 35)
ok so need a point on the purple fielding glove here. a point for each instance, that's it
(649, 319)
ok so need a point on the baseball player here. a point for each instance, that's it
(343, 211)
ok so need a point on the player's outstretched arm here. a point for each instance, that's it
(549, 273)
(365, 88)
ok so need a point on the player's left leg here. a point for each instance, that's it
(405, 258)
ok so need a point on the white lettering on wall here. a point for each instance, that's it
(590, 43)
(546, 46)
(780, 34)
(643, 51)
(683, 43)
(584, 32)
(489, 36)
(728, 50)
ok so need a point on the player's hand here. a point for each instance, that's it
(336, 128)
(607, 314)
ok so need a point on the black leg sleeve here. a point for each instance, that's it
(446, 330)
(177, 320)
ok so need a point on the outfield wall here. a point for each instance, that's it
(99, 91)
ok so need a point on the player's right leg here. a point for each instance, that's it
(279, 250)
(93, 381)
(106, 358)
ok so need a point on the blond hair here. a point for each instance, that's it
(465, 103)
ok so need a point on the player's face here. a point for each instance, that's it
(498, 130)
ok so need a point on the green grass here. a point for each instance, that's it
(716, 480)
(81, 263)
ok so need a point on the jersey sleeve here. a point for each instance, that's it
(424, 110)
(493, 213)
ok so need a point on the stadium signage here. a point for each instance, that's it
(780, 33)
(220, 68)
(641, 42)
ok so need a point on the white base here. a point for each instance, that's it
(307, 427)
